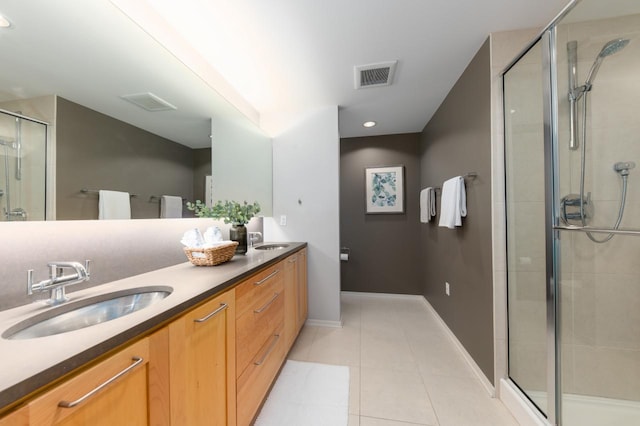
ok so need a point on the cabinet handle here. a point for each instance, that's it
(262, 281)
(222, 307)
(294, 260)
(275, 296)
(273, 345)
(65, 404)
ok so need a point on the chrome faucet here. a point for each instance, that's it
(58, 281)
(254, 237)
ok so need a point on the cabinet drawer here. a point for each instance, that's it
(252, 292)
(112, 392)
(256, 380)
(258, 324)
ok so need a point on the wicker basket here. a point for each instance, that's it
(212, 256)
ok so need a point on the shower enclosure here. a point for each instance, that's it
(572, 142)
(22, 167)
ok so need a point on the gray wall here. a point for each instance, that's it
(96, 151)
(201, 169)
(457, 140)
(385, 249)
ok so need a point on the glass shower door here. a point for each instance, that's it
(598, 63)
(525, 212)
(23, 145)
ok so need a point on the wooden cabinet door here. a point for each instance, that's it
(303, 303)
(113, 392)
(18, 417)
(255, 381)
(202, 364)
(291, 300)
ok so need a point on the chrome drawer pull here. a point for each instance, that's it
(275, 296)
(222, 307)
(65, 404)
(273, 345)
(271, 275)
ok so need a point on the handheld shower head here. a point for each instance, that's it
(611, 47)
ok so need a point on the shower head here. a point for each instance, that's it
(613, 46)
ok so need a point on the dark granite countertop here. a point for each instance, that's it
(30, 364)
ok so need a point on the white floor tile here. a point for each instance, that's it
(339, 346)
(460, 401)
(370, 421)
(404, 370)
(436, 354)
(302, 346)
(354, 390)
(354, 420)
(395, 395)
(387, 351)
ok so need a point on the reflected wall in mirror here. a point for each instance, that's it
(95, 151)
(71, 72)
(242, 163)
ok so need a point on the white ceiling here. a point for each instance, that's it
(292, 55)
(281, 56)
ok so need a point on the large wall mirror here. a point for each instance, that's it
(67, 126)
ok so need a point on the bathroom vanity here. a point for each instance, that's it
(205, 354)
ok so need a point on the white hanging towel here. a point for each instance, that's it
(170, 206)
(114, 205)
(453, 204)
(427, 204)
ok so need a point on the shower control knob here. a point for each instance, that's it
(623, 167)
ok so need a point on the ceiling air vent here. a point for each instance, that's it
(374, 75)
(149, 101)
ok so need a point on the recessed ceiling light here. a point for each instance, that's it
(4, 22)
(369, 123)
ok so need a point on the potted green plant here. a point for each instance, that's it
(233, 212)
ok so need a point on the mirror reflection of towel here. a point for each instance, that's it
(114, 205)
(170, 206)
(453, 203)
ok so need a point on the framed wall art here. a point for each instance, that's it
(384, 190)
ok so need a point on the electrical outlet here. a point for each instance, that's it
(283, 220)
(447, 290)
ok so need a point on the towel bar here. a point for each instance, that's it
(471, 175)
(95, 191)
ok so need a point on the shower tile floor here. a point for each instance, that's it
(404, 370)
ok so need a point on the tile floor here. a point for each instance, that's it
(403, 368)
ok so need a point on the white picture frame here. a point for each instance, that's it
(384, 190)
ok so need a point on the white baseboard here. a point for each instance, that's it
(324, 323)
(385, 295)
(467, 357)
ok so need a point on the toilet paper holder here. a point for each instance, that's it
(344, 253)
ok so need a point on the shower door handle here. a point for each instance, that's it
(597, 230)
